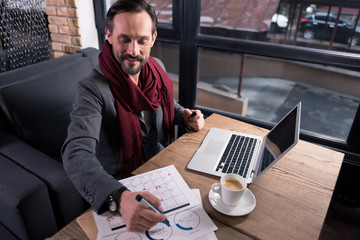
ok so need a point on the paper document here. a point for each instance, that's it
(167, 185)
(182, 207)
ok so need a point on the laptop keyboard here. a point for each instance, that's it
(237, 155)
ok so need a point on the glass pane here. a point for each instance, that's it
(108, 3)
(169, 54)
(163, 9)
(270, 87)
(302, 23)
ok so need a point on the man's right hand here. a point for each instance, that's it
(136, 217)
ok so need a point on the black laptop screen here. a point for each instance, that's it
(280, 139)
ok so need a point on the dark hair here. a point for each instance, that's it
(132, 6)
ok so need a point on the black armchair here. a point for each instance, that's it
(35, 102)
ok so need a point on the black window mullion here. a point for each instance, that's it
(353, 139)
(189, 53)
(172, 32)
(100, 16)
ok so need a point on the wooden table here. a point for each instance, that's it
(292, 198)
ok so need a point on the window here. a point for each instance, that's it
(298, 23)
(266, 89)
(163, 9)
(247, 49)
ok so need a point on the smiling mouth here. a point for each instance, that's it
(131, 58)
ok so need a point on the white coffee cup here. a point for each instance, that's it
(231, 188)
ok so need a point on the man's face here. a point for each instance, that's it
(131, 40)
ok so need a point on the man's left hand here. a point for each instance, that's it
(194, 119)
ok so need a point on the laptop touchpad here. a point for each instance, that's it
(214, 147)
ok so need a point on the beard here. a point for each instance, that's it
(131, 69)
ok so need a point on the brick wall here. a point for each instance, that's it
(63, 26)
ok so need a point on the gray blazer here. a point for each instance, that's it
(91, 152)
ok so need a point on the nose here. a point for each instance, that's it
(133, 48)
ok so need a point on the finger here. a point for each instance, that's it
(138, 224)
(197, 119)
(199, 115)
(187, 112)
(147, 221)
(198, 125)
(152, 216)
(131, 224)
(133, 218)
(194, 117)
(153, 200)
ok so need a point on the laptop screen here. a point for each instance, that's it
(281, 138)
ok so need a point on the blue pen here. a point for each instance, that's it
(146, 204)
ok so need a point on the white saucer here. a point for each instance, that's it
(246, 204)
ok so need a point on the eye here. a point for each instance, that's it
(124, 39)
(142, 41)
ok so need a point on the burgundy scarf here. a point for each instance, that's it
(155, 88)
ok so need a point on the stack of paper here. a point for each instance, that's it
(182, 206)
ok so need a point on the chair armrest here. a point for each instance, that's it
(26, 209)
(67, 202)
(44, 167)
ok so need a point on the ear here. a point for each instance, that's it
(108, 35)
(154, 38)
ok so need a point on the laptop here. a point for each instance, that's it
(225, 151)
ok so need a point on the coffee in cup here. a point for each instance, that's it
(233, 184)
(231, 188)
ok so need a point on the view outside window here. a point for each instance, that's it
(266, 89)
(163, 9)
(329, 24)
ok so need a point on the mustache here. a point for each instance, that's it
(132, 58)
